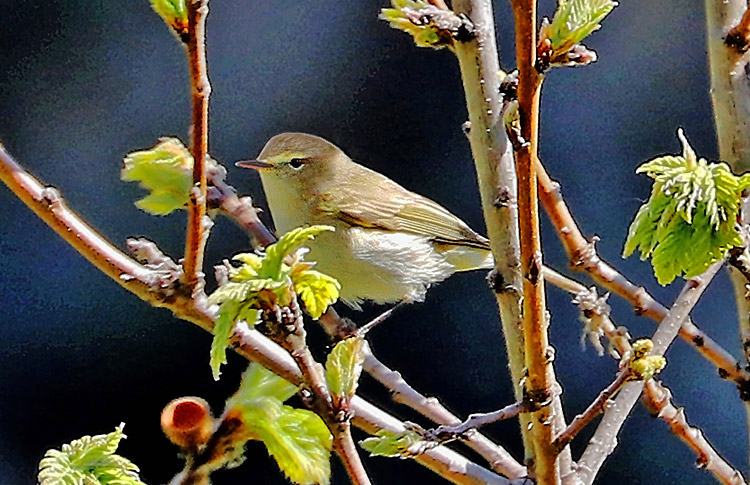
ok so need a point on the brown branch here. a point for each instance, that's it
(595, 408)
(540, 378)
(157, 288)
(582, 255)
(656, 397)
(287, 328)
(200, 90)
(602, 443)
(445, 433)
(241, 210)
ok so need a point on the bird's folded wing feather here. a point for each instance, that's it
(394, 208)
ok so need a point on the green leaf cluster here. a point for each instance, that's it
(407, 16)
(298, 439)
(267, 278)
(344, 366)
(173, 12)
(90, 460)
(690, 220)
(575, 20)
(389, 444)
(166, 171)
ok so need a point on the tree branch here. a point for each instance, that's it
(656, 398)
(604, 439)
(539, 368)
(200, 90)
(157, 288)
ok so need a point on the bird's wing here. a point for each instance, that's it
(389, 206)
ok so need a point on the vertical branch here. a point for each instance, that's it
(730, 95)
(493, 159)
(535, 325)
(200, 91)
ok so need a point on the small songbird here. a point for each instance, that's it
(389, 245)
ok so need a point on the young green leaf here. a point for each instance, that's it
(264, 278)
(174, 13)
(389, 444)
(166, 171)
(257, 381)
(275, 253)
(690, 220)
(90, 460)
(317, 290)
(298, 439)
(344, 366)
(428, 25)
(575, 20)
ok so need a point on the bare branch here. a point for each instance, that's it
(604, 439)
(445, 433)
(200, 90)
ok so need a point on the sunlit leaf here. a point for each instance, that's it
(90, 460)
(344, 366)
(389, 444)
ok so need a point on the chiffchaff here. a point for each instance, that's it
(389, 245)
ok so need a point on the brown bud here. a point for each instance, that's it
(187, 422)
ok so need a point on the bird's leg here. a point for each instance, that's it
(362, 331)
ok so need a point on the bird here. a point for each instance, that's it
(389, 244)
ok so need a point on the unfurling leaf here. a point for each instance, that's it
(690, 220)
(344, 366)
(264, 279)
(174, 13)
(317, 290)
(90, 460)
(428, 25)
(298, 439)
(166, 171)
(575, 20)
(275, 253)
(389, 444)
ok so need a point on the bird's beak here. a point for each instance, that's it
(254, 164)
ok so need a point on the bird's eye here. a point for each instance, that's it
(296, 163)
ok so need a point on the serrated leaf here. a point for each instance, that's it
(575, 20)
(257, 381)
(344, 366)
(89, 460)
(298, 439)
(229, 312)
(166, 171)
(689, 221)
(275, 253)
(389, 444)
(317, 290)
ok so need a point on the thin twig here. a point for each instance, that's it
(151, 286)
(657, 399)
(240, 210)
(447, 433)
(602, 443)
(200, 90)
(595, 408)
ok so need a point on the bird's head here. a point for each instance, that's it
(302, 160)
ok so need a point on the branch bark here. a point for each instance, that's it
(730, 95)
(157, 288)
(195, 240)
(604, 439)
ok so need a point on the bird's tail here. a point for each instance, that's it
(466, 258)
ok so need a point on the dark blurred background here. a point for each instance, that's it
(82, 83)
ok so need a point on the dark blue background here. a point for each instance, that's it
(84, 82)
